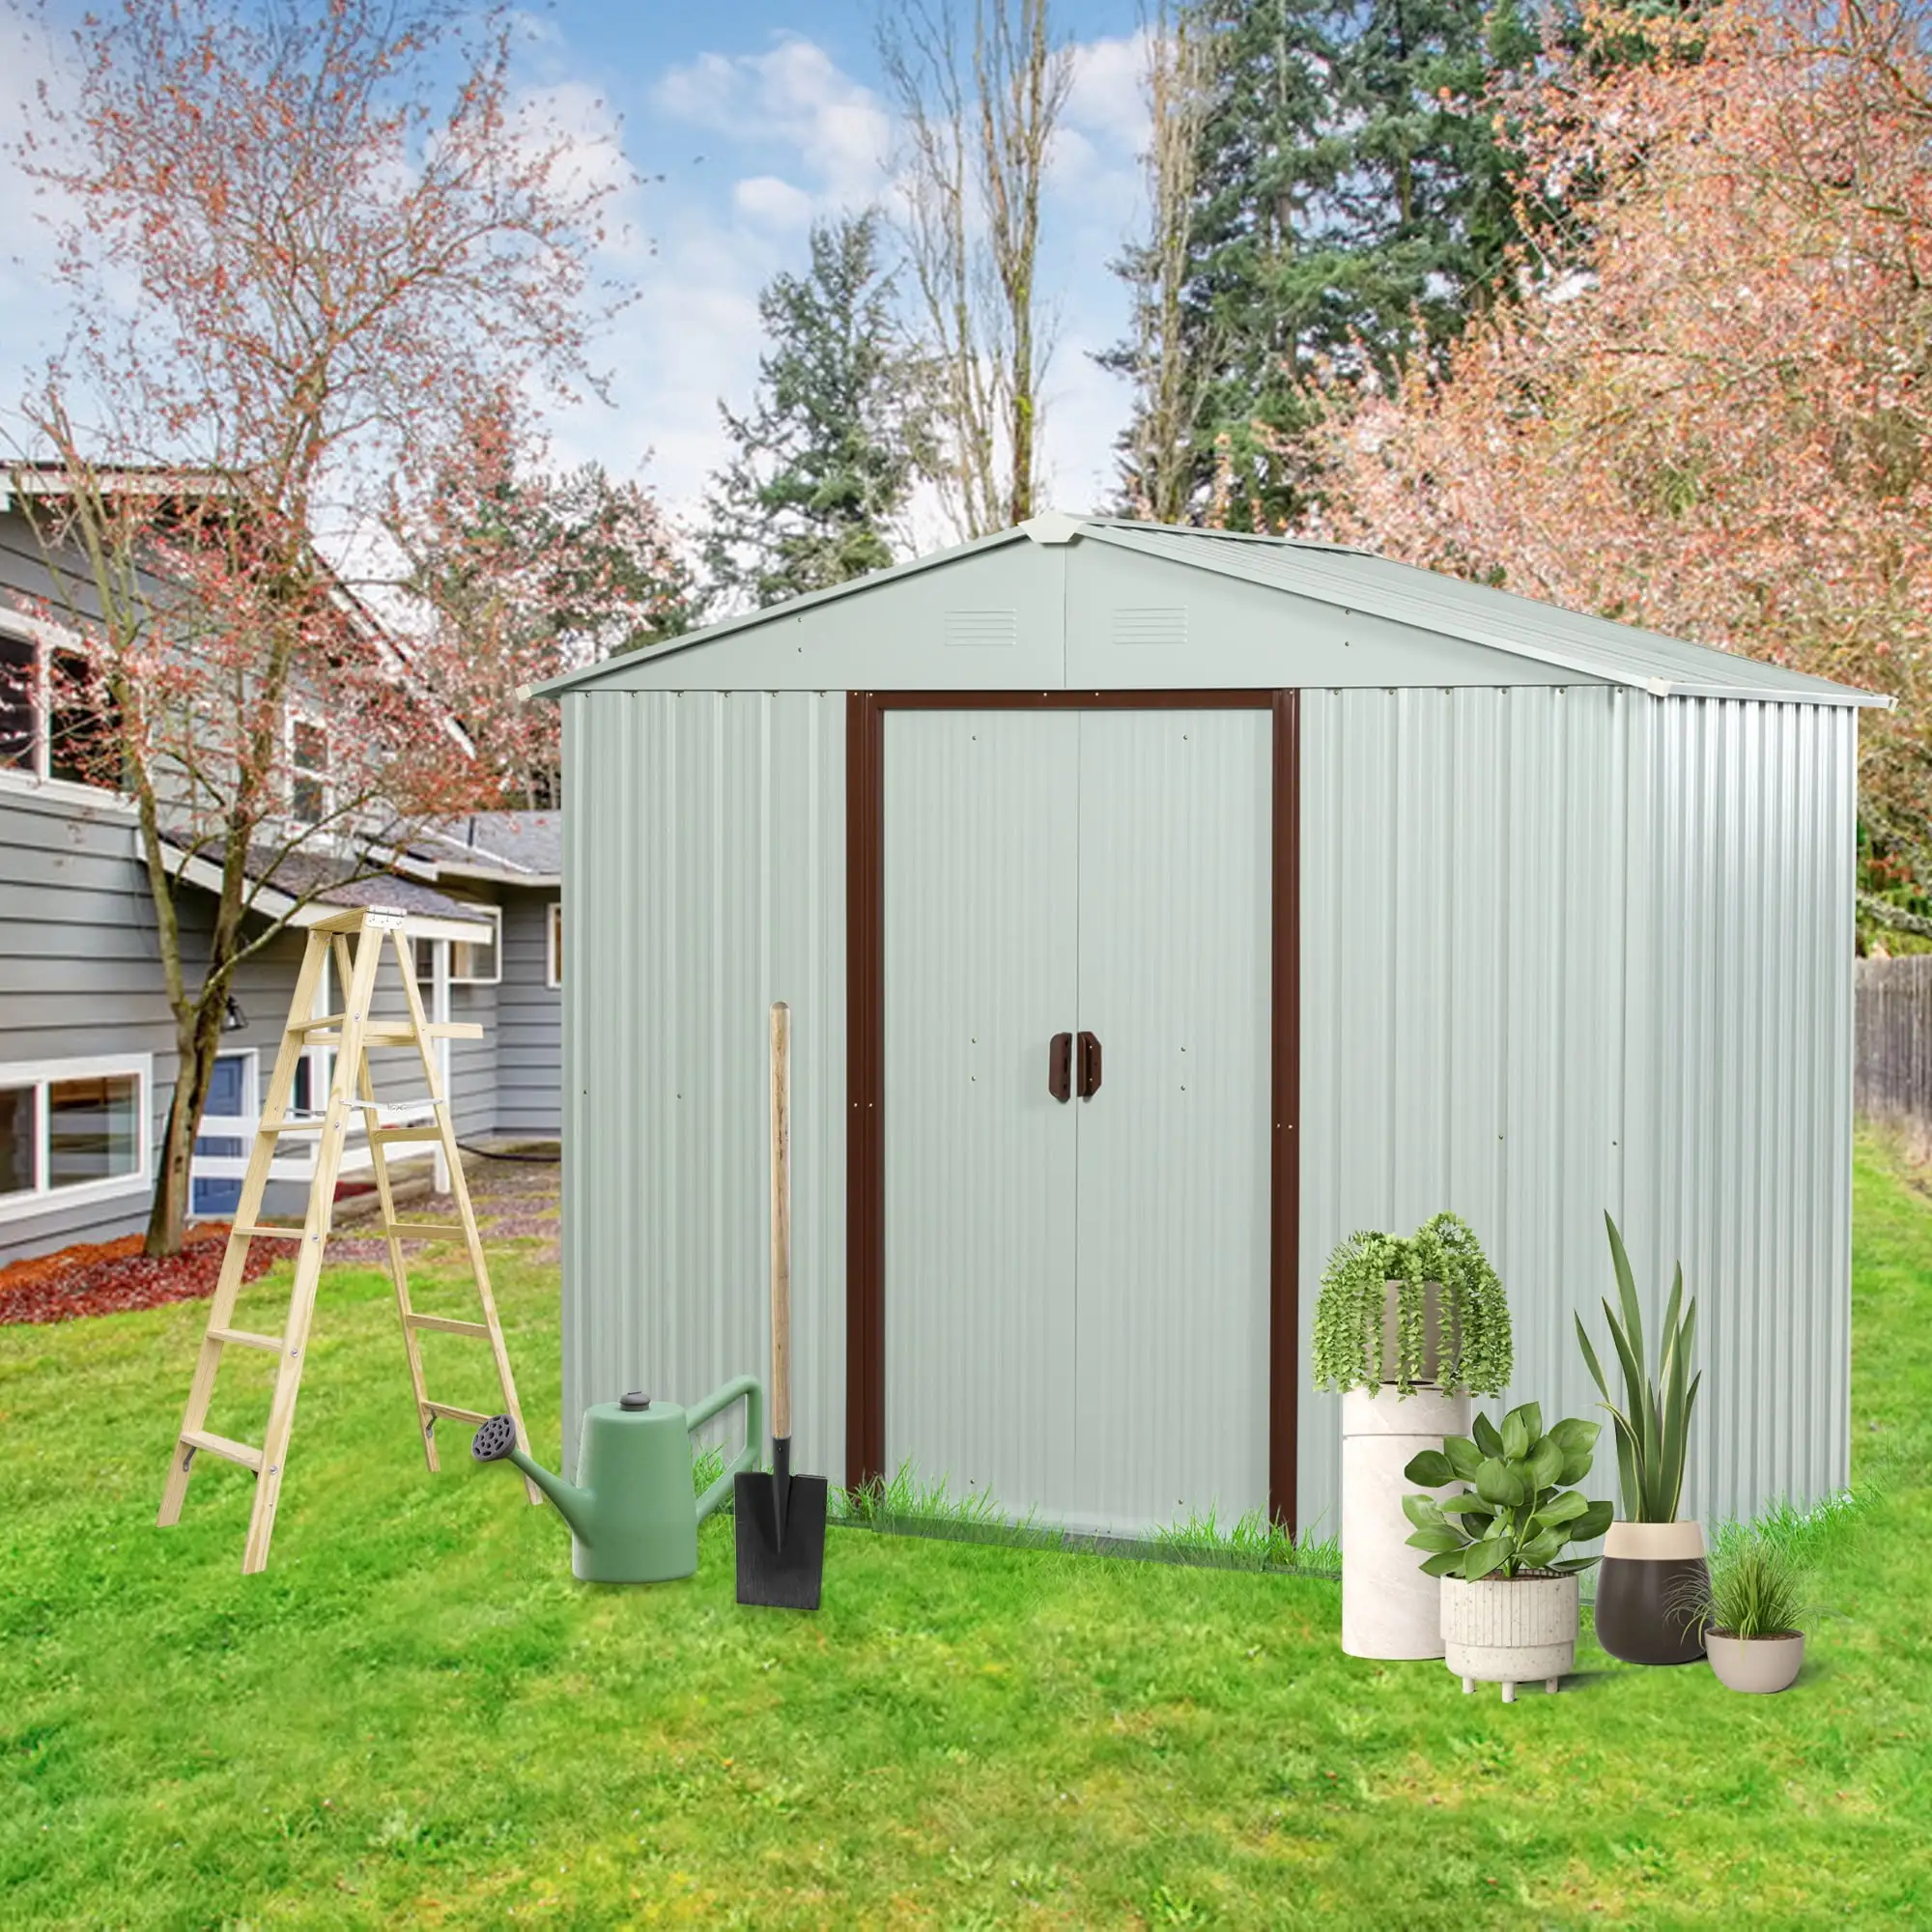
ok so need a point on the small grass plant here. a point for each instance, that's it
(1758, 1588)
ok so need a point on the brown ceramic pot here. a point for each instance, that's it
(1647, 1570)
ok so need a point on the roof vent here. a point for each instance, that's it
(1052, 526)
(1151, 624)
(983, 627)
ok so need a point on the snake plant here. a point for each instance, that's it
(1653, 1427)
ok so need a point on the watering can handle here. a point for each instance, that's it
(747, 1459)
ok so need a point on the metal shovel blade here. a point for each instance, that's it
(779, 1520)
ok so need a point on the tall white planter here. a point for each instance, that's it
(1389, 1607)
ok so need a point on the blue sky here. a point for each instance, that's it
(759, 118)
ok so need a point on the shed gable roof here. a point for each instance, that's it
(1355, 581)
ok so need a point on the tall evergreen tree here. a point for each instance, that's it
(1350, 187)
(826, 453)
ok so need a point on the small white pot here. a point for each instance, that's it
(1758, 1664)
(1499, 1631)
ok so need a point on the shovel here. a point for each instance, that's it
(781, 1517)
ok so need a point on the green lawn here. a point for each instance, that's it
(415, 1717)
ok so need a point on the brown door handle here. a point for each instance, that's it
(1060, 1067)
(1090, 1066)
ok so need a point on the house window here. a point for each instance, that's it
(553, 972)
(73, 1130)
(308, 770)
(54, 722)
(473, 962)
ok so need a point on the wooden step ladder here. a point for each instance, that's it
(356, 939)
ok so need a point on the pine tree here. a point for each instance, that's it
(1350, 187)
(826, 453)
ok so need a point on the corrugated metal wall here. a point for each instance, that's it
(1570, 949)
(704, 850)
(1563, 950)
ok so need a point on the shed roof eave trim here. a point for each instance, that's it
(1456, 624)
(1843, 697)
(608, 667)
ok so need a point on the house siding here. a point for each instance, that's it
(530, 1021)
(79, 976)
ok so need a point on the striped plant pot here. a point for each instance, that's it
(1510, 1632)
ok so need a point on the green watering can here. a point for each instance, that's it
(634, 1519)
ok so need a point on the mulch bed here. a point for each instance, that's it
(512, 1203)
(112, 1277)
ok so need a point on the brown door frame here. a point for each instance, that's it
(866, 1047)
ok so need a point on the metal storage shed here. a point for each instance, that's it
(1380, 893)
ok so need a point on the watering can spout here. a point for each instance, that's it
(497, 1442)
(574, 1504)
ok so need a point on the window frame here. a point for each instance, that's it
(553, 945)
(294, 715)
(35, 777)
(44, 1198)
(426, 960)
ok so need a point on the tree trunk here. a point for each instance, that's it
(197, 1039)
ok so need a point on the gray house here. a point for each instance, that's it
(1156, 907)
(87, 1059)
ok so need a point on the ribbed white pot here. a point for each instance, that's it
(1510, 1632)
(1390, 1609)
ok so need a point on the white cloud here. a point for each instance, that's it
(773, 203)
(794, 96)
(1108, 98)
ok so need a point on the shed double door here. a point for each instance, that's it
(1076, 1292)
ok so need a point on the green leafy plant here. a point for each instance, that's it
(1522, 1513)
(1654, 1425)
(1755, 1589)
(1476, 1346)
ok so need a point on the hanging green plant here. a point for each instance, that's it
(1475, 1352)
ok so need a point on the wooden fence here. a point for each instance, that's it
(1892, 1065)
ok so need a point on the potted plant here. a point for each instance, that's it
(1508, 1592)
(1407, 1329)
(1651, 1559)
(1750, 1613)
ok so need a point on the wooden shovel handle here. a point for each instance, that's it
(781, 1220)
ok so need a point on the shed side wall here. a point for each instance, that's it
(704, 864)
(1580, 949)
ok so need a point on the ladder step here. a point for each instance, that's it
(425, 1231)
(253, 1232)
(444, 1325)
(391, 1033)
(406, 1112)
(442, 1408)
(242, 1339)
(405, 1133)
(221, 1445)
